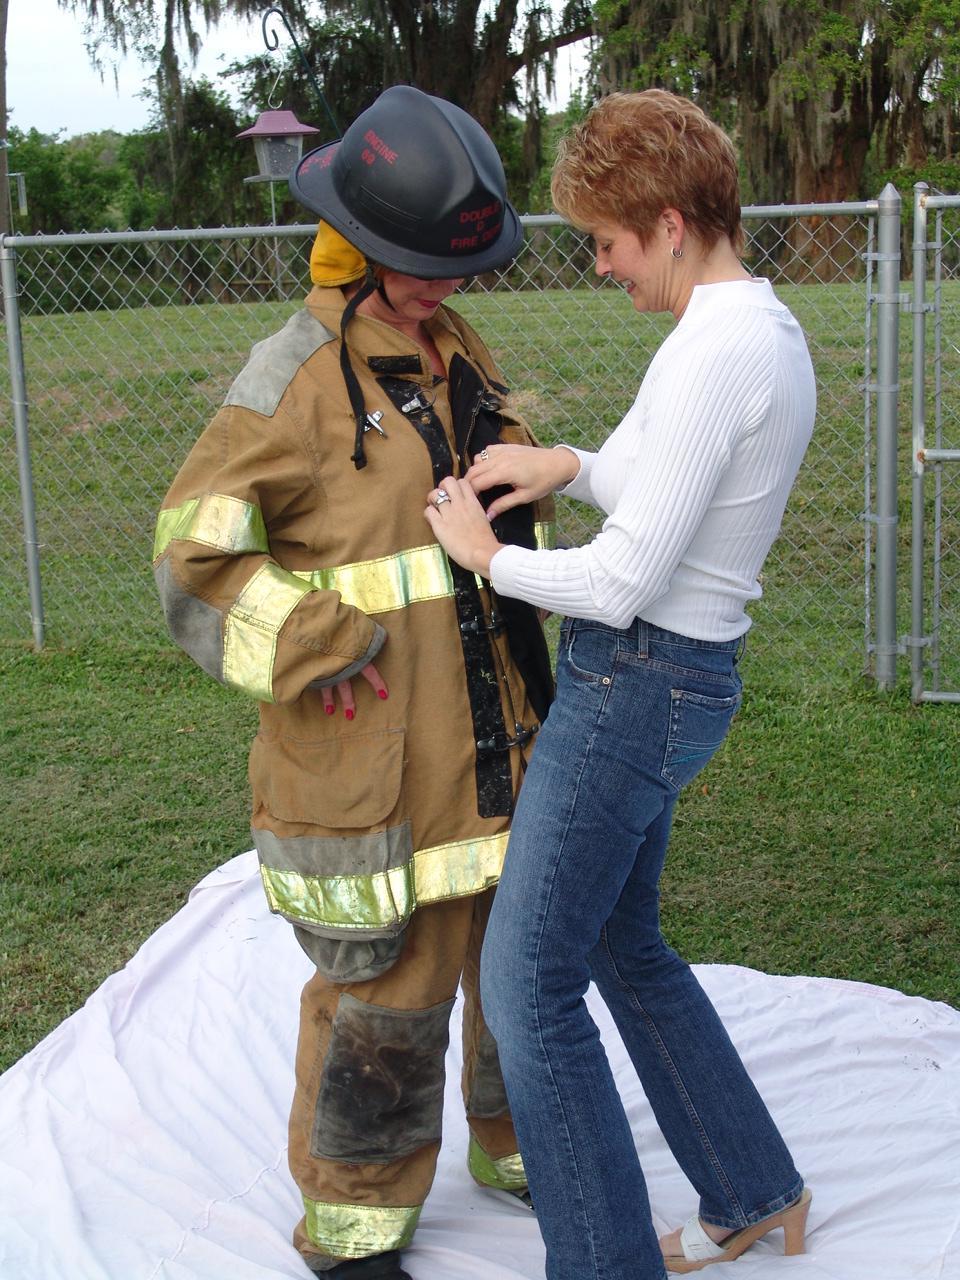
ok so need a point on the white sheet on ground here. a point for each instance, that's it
(146, 1136)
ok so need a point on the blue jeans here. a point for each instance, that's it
(638, 713)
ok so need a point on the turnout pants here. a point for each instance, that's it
(368, 1107)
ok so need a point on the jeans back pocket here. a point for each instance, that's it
(698, 725)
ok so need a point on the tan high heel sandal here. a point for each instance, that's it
(700, 1251)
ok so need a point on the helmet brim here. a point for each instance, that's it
(312, 184)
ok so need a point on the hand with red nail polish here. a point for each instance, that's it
(345, 691)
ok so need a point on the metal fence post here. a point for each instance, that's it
(919, 411)
(18, 397)
(888, 334)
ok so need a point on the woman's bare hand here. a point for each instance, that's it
(461, 525)
(530, 473)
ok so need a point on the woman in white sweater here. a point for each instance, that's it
(693, 485)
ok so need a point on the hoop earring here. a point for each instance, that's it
(675, 252)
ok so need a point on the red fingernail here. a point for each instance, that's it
(381, 693)
(349, 713)
(329, 710)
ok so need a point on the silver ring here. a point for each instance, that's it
(442, 497)
(484, 456)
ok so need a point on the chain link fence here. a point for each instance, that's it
(130, 341)
(934, 639)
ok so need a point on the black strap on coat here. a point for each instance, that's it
(476, 424)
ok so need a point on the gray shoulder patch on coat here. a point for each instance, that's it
(274, 362)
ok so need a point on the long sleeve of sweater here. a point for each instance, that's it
(693, 482)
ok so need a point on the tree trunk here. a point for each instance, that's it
(831, 170)
(495, 66)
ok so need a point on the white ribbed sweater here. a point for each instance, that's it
(693, 481)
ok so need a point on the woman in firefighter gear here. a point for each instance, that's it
(399, 697)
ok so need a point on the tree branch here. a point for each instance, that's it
(517, 61)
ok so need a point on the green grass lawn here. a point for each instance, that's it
(822, 840)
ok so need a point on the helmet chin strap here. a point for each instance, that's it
(382, 290)
(368, 286)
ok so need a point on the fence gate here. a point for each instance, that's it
(934, 640)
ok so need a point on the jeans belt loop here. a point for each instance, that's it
(643, 638)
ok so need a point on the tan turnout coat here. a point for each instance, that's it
(283, 568)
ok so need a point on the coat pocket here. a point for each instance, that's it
(350, 783)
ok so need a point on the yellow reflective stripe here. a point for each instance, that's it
(545, 533)
(390, 582)
(458, 868)
(507, 1173)
(251, 627)
(229, 524)
(342, 902)
(358, 1230)
(375, 586)
(387, 898)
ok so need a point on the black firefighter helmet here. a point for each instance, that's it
(416, 185)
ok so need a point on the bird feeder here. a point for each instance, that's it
(278, 143)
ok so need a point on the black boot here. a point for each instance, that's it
(381, 1266)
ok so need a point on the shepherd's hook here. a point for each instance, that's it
(272, 41)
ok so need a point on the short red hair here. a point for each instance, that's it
(637, 154)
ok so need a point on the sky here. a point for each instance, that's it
(52, 87)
